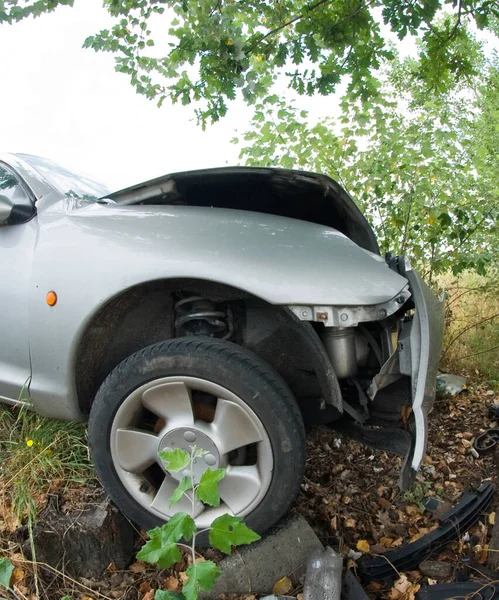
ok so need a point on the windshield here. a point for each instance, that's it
(66, 181)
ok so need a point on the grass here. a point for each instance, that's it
(38, 456)
(471, 344)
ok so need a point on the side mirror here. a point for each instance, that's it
(13, 213)
(6, 206)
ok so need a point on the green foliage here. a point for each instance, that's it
(227, 531)
(207, 490)
(202, 576)
(184, 485)
(6, 569)
(167, 595)
(163, 546)
(215, 50)
(420, 166)
(40, 455)
(175, 460)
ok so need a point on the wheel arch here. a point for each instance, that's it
(144, 315)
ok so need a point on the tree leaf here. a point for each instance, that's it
(228, 531)
(175, 460)
(6, 568)
(165, 555)
(184, 485)
(202, 576)
(207, 490)
(282, 587)
(162, 547)
(167, 595)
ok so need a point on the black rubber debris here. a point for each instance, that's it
(453, 524)
(478, 590)
(486, 442)
(352, 590)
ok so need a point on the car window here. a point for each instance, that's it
(68, 182)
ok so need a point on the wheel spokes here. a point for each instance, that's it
(136, 450)
(234, 428)
(240, 486)
(161, 501)
(170, 401)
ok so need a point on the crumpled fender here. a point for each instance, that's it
(89, 254)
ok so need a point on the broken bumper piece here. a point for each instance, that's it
(478, 590)
(453, 524)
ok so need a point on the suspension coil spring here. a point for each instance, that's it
(198, 316)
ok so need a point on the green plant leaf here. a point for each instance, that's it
(184, 485)
(167, 595)
(165, 555)
(207, 490)
(175, 460)
(228, 531)
(6, 568)
(202, 576)
(162, 547)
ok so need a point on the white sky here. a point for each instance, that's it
(68, 104)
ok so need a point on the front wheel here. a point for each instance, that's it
(206, 393)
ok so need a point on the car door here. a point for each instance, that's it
(17, 243)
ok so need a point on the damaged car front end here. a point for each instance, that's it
(229, 306)
(380, 325)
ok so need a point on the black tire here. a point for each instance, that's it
(237, 370)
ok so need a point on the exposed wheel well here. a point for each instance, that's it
(144, 315)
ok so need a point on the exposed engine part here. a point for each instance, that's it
(361, 347)
(364, 336)
(195, 315)
(340, 347)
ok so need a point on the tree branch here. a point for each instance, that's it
(465, 329)
(478, 353)
(458, 21)
(290, 22)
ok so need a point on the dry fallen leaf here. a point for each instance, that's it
(492, 518)
(363, 546)
(351, 523)
(148, 595)
(171, 583)
(111, 568)
(17, 576)
(282, 587)
(334, 523)
(386, 542)
(145, 587)
(137, 567)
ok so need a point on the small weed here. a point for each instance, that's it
(418, 493)
(225, 532)
(39, 455)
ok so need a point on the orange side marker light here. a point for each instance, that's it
(51, 298)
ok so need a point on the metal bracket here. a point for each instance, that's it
(350, 316)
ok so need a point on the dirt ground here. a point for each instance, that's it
(350, 497)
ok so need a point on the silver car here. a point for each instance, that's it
(224, 309)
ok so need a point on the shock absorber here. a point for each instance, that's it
(195, 315)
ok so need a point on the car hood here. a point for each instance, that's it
(300, 195)
(281, 260)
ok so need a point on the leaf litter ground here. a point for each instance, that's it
(349, 496)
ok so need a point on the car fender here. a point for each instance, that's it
(90, 253)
